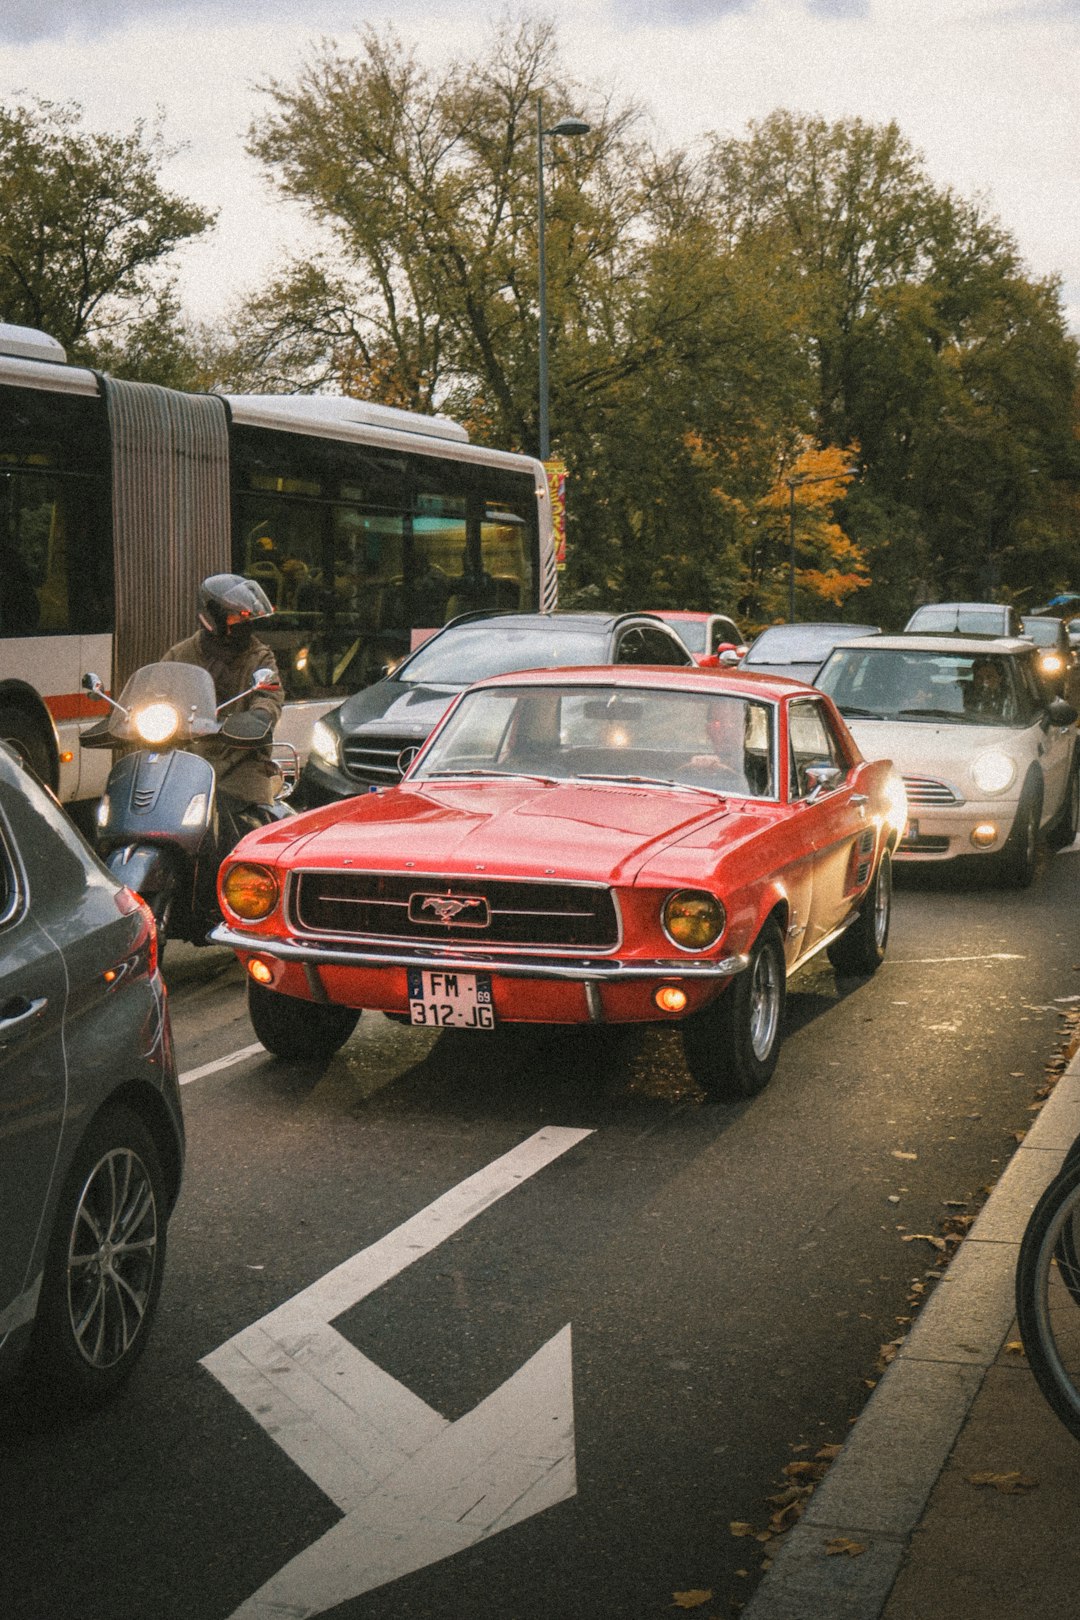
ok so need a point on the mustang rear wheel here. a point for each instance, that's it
(861, 947)
(732, 1045)
(291, 1028)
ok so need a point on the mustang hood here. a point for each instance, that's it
(579, 830)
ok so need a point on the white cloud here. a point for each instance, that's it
(988, 90)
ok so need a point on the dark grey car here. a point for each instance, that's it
(360, 745)
(92, 1144)
(798, 650)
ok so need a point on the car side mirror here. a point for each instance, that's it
(728, 657)
(821, 778)
(707, 661)
(1061, 713)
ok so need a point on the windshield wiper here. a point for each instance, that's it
(930, 714)
(647, 781)
(524, 776)
(866, 714)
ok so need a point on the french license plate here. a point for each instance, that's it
(450, 1000)
(911, 833)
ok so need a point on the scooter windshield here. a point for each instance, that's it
(166, 705)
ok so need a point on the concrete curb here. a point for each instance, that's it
(876, 1491)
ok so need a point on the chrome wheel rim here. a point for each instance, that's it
(112, 1258)
(883, 903)
(764, 1004)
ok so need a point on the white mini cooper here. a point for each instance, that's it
(989, 757)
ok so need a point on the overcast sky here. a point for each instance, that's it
(987, 90)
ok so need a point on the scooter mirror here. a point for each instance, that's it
(93, 684)
(264, 677)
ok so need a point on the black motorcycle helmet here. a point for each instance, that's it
(229, 604)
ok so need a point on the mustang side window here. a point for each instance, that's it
(811, 742)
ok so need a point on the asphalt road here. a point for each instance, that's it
(728, 1276)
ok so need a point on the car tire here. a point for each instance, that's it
(103, 1271)
(28, 741)
(732, 1045)
(291, 1028)
(1019, 856)
(860, 950)
(1064, 829)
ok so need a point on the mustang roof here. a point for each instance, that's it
(737, 683)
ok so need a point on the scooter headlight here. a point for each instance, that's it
(157, 722)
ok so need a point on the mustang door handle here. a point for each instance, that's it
(860, 798)
(18, 1012)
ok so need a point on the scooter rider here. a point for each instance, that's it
(225, 644)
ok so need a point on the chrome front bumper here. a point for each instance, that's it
(579, 970)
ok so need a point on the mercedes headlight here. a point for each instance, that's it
(156, 722)
(993, 772)
(692, 919)
(325, 743)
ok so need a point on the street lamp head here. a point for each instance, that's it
(569, 126)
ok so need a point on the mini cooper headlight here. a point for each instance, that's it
(325, 743)
(896, 802)
(993, 772)
(692, 919)
(250, 891)
(157, 722)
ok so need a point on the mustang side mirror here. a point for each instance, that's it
(821, 777)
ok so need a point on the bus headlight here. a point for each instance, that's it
(993, 772)
(250, 891)
(157, 722)
(692, 919)
(325, 743)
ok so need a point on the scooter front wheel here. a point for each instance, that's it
(291, 1028)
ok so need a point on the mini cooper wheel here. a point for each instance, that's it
(732, 1045)
(1019, 855)
(103, 1271)
(291, 1028)
(1067, 821)
(860, 950)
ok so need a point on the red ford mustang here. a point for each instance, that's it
(591, 845)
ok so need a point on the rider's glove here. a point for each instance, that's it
(248, 727)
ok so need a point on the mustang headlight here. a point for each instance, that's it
(325, 743)
(156, 722)
(692, 919)
(249, 890)
(993, 772)
(896, 803)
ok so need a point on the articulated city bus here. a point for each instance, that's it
(363, 523)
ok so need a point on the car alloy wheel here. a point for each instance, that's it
(112, 1258)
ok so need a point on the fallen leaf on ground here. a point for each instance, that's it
(925, 1237)
(690, 1600)
(1012, 1483)
(898, 1153)
(739, 1527)
(828, 1453)
(1015, 1347)
(841, 1544)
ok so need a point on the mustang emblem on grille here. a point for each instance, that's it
(467, 910)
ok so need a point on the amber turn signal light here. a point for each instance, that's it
(250, 891)
(669, 998)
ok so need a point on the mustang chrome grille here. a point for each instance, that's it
(467, 911)
(374, 758)
(924, 790)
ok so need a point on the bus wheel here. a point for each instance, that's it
(18, 730)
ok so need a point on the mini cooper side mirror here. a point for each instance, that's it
(1061, 713)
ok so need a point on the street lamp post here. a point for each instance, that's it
(793, 484)
(567, 126)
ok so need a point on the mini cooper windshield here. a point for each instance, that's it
(955, 688)
(718, 744)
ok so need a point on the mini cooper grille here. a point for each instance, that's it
(466, 911)
(375, 759)
(924, 790)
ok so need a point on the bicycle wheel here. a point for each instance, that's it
(1048, 1294)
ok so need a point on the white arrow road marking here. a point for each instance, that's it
(413, 1487)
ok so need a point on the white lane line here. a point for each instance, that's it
(932, 961)
(413, 1487)
(245, 1052)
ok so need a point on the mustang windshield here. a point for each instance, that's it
(719, 743)
(955, 688)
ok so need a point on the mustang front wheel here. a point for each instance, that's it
(861, 947)
(732, 1045)
(291, 1028)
